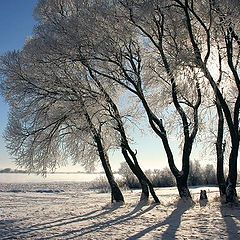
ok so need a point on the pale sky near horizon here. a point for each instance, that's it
(16, 25)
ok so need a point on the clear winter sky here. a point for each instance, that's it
(16, 24)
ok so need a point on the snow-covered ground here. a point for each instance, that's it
(70, 211)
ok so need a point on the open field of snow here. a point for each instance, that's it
(70, 211)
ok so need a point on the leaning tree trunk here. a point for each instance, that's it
(157, 126)
(143, 176)
(182, 177)
(144, 186)
(145, 183)
(115, 191)
(149, 183)
(143, 180)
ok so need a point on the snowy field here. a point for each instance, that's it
(68, 210)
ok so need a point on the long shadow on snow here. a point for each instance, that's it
(8, 226)
(136, 212)
(229, 213)
(173, 221)
(83, 217)
(17, 231)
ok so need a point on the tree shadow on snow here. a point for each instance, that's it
(9, 226)
(173, 221)
(230, 214)
(14, 230)
(96, 227)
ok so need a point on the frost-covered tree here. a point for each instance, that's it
(63, 28)
(215, 25)
(128, 45)
(135, 57)
(198, 33)
(52, 116)
(72, 83)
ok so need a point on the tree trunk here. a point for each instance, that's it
(231, 194)
(144, 186)
(182, 177)
(220, 147)
(159, 129)
(151, 189)
(124, 142)
(145, 178)
(183, 187)
(145, 192)
(136, 168)
(221, 178)
(232, 122)
(115, 191)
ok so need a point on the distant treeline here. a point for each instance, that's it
(198, 175)
(9, 170)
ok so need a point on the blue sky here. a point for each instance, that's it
(16, 25)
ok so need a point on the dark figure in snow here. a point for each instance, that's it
(203, 198)
(203, 195)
